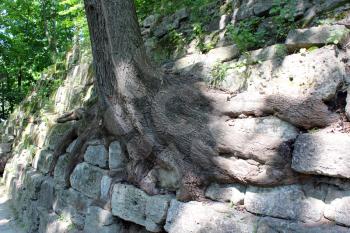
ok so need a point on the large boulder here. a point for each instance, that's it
(322, 153)
(133, 204)
(87, 179)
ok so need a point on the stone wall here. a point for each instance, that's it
(283, 137)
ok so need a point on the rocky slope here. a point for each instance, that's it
(281, 136)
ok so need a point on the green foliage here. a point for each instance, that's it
(337, 35)
(218, 73)
(283, 16)
(246, 34)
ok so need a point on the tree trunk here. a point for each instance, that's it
(165, 122)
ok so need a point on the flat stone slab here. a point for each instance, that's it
(133, 204)
(287, 202)
(316, 36)
(322, 153)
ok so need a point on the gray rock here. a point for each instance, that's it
(71, 198)
(150, 21)
(347, 107)
(274, 225)
(221, 54)
(97, 155)
(106, 183)
(53, 223)
(233, 193)
(43, 160)
(5, 148)
(100, 220)
(117, 158)
(264, 54)
(71, 146)
(47, 194)
(197, 217)
(316, 36)
(262, 7)
(338, 206)
(288, 202)
(87, 179)
(132, 204)
(62, 170)
(322, 153)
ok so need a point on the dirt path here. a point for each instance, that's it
(7, 225)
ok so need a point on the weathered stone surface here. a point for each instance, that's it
(100, 220)
(295, 95)
(87, 179)
(274, 225)
(52, 223)
(5, 148)
(322, 153)
(97, 155)
(221, 54)
(117, 158)
(288, 202)
(264, 54)
(47, 193)
(170, 22)
(43, 160)
(197, 217)
(150, 21)
(233, 193)
(132, 204)
(61, 169)
(71, 146)
(316, 36)
(256, 150)
(71, 198)
(338, 206)
(106, 183)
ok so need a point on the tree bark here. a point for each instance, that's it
(163, 121)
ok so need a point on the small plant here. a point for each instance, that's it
(336, 36)
(199, 35)
(218, 73)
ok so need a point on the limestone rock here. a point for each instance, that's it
(87, 179)
(274, 225)
(106, 183)
(150, 21)
(132, 204)
(221, 54)
(97, 155)
(43, 160)
(322, 153)
(117, 158)
(47, 193)
(264, 54)
(100, 220)
(233, 193)
(197, 217)
(62, 169)
(316, 36)
(288, 202)
(257, 150)
(338, 206)
(52, 223)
